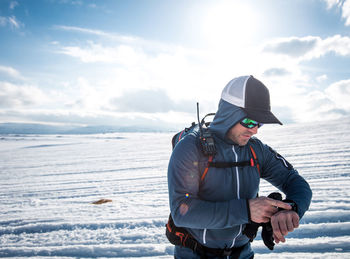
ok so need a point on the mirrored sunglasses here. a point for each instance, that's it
(249, 124)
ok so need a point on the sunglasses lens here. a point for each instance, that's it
(248, 123)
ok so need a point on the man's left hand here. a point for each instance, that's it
(283, 222)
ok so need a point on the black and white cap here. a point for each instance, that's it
(252, 96)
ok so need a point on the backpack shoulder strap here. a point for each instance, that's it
(255, 162)
(210, 159)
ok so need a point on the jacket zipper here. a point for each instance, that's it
(237, 175)
(204, 234)
(238, 196)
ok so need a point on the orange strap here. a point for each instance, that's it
(182, 237)
(207, 168)
(168, 227)
(255, 158)
(181, 135)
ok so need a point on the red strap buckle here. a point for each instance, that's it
(180, 235)
(169, 228)
(251, 162)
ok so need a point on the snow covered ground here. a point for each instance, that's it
(48, 184)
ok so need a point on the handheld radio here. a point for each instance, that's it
(205, 137)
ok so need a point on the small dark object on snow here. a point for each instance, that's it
(101, 201)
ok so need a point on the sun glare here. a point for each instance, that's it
(229, 23)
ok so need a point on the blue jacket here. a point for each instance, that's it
(215, 210)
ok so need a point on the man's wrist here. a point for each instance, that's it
(292, 204)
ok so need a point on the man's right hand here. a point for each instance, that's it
(263, 208)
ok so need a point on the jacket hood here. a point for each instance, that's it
(225, 118)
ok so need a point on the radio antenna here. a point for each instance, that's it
(199, 123)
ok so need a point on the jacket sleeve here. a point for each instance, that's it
(187, 207)
(280, 173)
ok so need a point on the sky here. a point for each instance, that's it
(148, 62)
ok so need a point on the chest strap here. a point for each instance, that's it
(220, 164)
(229, 164)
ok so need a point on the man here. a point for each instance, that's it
(216, 205)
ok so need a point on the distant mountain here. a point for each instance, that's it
(32, 128)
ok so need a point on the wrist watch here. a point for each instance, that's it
(292, 204)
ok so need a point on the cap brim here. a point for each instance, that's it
(265, 117)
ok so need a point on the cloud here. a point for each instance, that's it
(159, 82)
(294, 47)
(309, 47)
(276, 72)
(147, 80)
(315, 105)
(134, 121)
(331, 3)
(10, 72)
(92, 5)
(13, 5)
(81, 103)
(119, 49)
(118, 38)
(337, 44)
(339, 93)
(115, 36)
(346, 12)
(150, 101)
(93, 52)
(12, 96)
(10, 21)
(134, 63)
(72, 2)
(344, 6)
(321, 78)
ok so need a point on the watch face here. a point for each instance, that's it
(293, 205)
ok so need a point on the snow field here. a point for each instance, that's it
(48, 182)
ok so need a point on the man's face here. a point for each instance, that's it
(241, 135)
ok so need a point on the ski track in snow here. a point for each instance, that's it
(48, 182)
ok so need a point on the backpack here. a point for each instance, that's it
(208, 148)
(205, 138)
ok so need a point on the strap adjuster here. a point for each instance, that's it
(226, 252)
